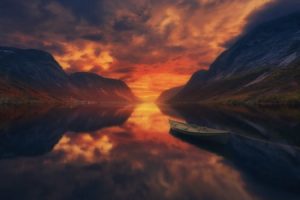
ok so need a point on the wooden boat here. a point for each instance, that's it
(198, 132)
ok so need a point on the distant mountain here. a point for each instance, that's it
(91, 86)
(168, 94)
(262, 67)
(28, 76)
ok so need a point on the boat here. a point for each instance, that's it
(193, 131)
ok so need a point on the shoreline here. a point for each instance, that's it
(235, 103)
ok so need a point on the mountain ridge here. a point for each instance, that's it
(32, 76)
(242, 72)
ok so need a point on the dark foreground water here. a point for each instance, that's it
(116, 152)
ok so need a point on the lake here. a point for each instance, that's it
(128, 152)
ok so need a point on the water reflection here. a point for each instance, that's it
(264, 144)
(126, 153)
(276, 125)
(35, 131)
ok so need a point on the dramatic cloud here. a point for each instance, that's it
(272, 10)
(151, 44)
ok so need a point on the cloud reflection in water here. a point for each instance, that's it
(130, 159)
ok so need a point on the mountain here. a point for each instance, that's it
(34, 68)
(168, 94)
(262, 67)
(91, 86)
(30, 76)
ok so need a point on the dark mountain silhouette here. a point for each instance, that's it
(35, 69)
(91, 86)
(168, 94)
(28, 75)
(261, 67)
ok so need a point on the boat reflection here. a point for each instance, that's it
(279, 125)
(128, 153)
(260, 151)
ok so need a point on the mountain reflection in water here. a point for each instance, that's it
(121, 152)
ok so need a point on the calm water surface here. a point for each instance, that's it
(115, 152)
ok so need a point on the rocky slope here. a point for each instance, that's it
(168, 94)
(35, 69)
(262, 67)
(91, 86)
(30, 76)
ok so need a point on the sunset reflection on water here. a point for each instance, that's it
(146, 123)
(142, 153)
(125, 153)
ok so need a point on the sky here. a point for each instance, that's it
(152, 45)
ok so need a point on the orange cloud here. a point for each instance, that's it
(192, 40)
(152, 45)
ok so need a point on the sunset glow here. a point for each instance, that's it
(149, 99)
(151, 45)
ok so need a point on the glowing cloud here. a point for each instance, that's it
(152, 45)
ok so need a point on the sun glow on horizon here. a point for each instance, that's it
(159, 53)
(150, 86)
